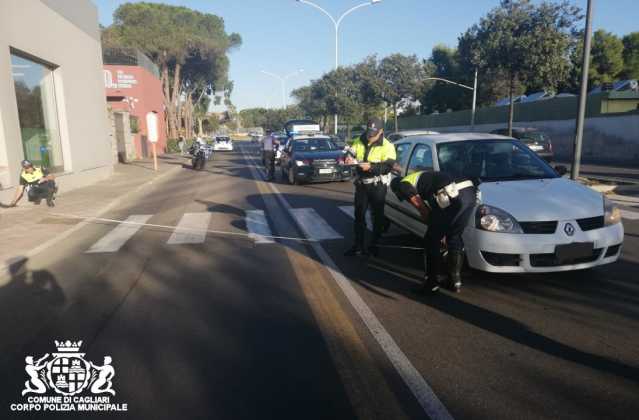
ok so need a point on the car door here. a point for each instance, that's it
(421, 159)
(402, 150)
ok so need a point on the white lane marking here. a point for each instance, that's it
(258, 227)
(350, 211)
(191, 229)
(629, 215)
(313, 226)
(424, 394)
(114, 240)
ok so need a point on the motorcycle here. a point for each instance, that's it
(200, 155)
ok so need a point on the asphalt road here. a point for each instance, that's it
(232, 329)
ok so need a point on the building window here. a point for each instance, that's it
(37, 111)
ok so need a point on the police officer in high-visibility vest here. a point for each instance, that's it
(445, 204)
(374, 157)
(38, 183)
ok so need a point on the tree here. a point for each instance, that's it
(527, 43)
(606, 58)
(437, 96)
(631, 56)
(401, 78)
(175, 38)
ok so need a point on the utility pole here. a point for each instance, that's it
(336, 24)
(583, 95)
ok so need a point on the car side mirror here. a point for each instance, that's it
(561, 170)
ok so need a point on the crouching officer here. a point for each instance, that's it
(374, 157)
(38, 183)
(445, 204)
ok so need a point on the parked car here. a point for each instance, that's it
(393, 137)
(528, 218)
(313, 159)
(536, 140)
(223, 143)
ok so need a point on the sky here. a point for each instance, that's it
(283, 36)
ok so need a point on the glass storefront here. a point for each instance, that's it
(37, 110)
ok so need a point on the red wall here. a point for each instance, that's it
(144, 92)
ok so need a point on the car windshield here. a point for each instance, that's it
(533, 137)
(222, 139)
(492, 160)
(313, 145)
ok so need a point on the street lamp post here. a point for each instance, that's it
(583, 95)
(336, 23)
(283, 80)
(474, 89)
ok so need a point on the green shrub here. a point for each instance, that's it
(173, 147)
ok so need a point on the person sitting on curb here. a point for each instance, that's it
(38, 183)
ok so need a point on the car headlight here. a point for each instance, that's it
(300, 163)
(492, 219)
(612, 213)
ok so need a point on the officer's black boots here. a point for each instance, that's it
(429, 286)
(455, 265)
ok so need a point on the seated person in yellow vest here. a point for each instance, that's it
(375, 157)
(445, 204)
(38, 183)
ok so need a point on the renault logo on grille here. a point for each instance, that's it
(569, 229)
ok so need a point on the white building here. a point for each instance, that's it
(52, 102)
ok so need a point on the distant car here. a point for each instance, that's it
(313, 159)
(393, 137)
(536, 140)
(528, 219)
(223, 143)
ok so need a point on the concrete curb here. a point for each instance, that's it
(4, 266)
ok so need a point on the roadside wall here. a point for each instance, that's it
(611, 138)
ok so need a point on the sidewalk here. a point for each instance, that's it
(28, 228)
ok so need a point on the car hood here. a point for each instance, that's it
(319, 155)
(543, 199)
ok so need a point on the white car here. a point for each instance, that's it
(398, 135)
(223, 143)
(528, 219)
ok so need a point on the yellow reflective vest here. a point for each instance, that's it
(413, 178)
(377, 153)
(33, 177)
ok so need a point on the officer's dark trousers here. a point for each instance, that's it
(41, 191)
(449, 223)
(373, 196)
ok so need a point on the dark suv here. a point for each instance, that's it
(536, 140)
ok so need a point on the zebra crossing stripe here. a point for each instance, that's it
(258, 227)
(350, 211)
(115, 239)
(191, 229)
(314, 227)
(629, 215)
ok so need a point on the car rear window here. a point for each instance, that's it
(313, 145)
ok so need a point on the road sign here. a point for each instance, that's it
(152, 135)
(152, 126)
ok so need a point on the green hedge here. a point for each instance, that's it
(172, 145)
